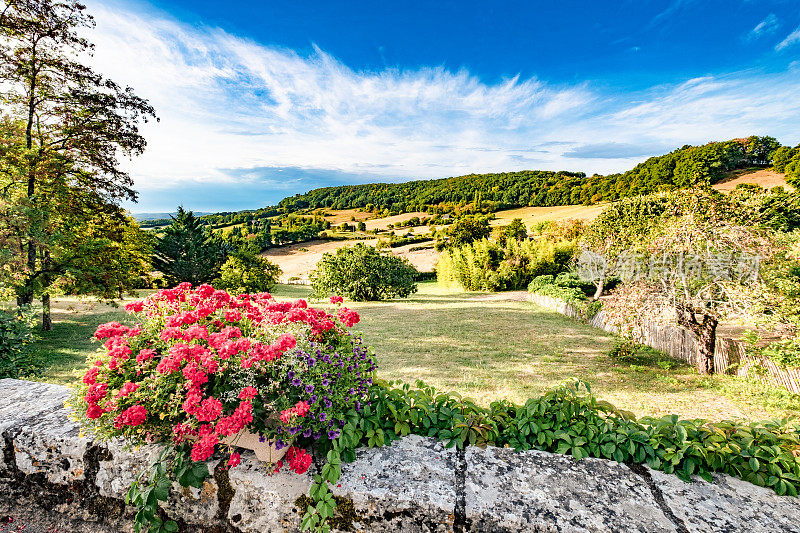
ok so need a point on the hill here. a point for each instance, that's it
(680, 168)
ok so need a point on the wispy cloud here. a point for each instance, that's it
(242, 115)
(792, 38)
(767, 26)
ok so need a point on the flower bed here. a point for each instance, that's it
(203, 368)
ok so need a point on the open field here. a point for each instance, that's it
(485, 347)
(297, 260)
(766, 178)
(533, 215)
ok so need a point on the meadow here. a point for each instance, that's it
(482, 346)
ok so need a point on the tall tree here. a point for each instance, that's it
(74, 123)
(187, 252)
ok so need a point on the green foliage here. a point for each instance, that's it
(247, 273)
(363, 273)
(486, 265)
(568, 420)
(186, 252)
(395, 242)
(16, 335)
(153, 486)
(784, 352)
(467, 230)
(684, 167)
(568, 288)
(516, 230)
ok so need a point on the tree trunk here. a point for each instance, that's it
(706, 345)
(47, 321)
(706, 332)
(600, 285)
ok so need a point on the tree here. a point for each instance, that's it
(187, 252)
(71, 124)
(247, 273)
(362, 273)
(73, 228)
(362, 226)
(516, 230)
(468, 229)
(696, 262)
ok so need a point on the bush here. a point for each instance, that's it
(247, 273)
(363, 273)
(568, 288)
(16, 335)
(488, 266)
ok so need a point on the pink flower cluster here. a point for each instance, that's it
(300, 409)
(299, 460)
(189, 340)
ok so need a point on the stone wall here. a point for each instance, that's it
(52, 478)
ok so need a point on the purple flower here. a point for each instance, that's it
(309, 389)
(297, 382)
(332, 434)
(312, 399)
(307, 433)
(322, 417)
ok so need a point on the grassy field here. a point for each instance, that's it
(485, 348)
(533, 215)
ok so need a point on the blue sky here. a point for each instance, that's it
(260, 100)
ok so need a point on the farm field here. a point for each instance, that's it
(534, 215)
(297, 260)
(765, 178)
(482, 346)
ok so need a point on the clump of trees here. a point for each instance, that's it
(491, 266)
(363, 273)
(63, 132)
(247, 273)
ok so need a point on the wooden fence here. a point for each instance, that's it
(678, 342)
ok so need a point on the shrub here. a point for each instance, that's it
(784, 352)
(247, 273)
(570, 420)
(16, 335)
(485, 265)
(568, 288)
(363, 273)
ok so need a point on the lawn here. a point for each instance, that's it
(485, 348)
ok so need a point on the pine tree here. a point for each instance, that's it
(186, 251)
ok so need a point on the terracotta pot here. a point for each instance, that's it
(265, 451)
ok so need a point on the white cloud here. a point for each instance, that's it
(230, 103)
(765, 27)
(792, 38)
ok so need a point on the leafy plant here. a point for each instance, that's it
(363, 273)
(247, 273)
(16, 334)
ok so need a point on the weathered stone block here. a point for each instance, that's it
(537, 491)
(408, 486)
(262, 502)
(728, 504)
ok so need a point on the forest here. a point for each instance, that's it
(684, 167)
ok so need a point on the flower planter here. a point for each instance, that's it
(264, 450)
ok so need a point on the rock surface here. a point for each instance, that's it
(54, 479)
